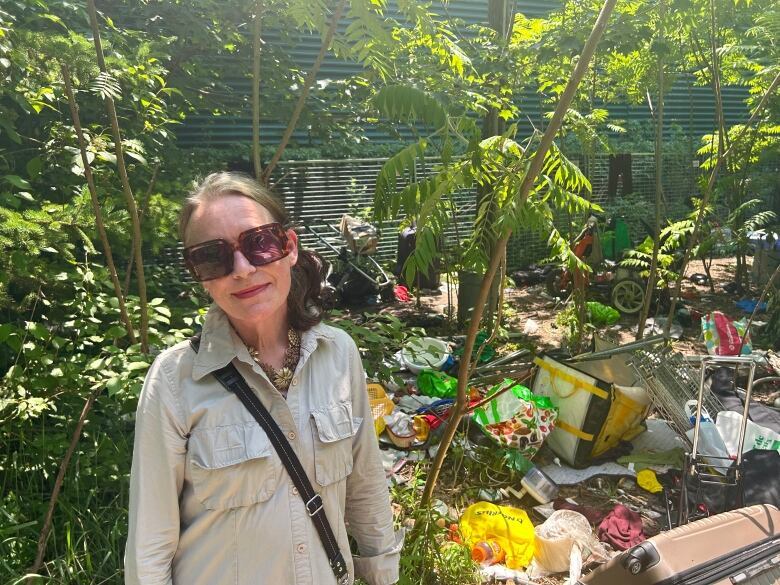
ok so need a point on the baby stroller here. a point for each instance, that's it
(353, 276)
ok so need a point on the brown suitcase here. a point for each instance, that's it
(734, 548)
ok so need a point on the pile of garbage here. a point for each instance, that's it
(681, 430)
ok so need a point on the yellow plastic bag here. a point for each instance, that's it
(510, 527)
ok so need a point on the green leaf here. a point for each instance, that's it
(163, 310)
(116, 331)
(34, 167)
(37, 330)
(17, 181)
(409, 104)
(114, 385)
(5, 330)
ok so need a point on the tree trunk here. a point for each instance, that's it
(311, 77)
(659, 167)
(141, 216)
(55, 493)
(461, 401)
(256, 46)
(101, 228)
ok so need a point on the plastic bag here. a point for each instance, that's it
(488, 353)
(729, 423)
(438, 384)
(562, 543)
(517, 418)
(601, 315)
(722, 336)
(508, 526)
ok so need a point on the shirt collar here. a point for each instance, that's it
(220, 344)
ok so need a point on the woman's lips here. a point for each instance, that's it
(250, 292)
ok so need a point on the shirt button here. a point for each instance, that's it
(295, 491)
(301, 548)
(291, 435)
(295, 382)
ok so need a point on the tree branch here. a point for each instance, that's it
(659, 174)
(461, 401)
(55, 493)
(101, 228)
(141, 216)
(311, 77)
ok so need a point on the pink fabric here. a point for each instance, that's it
(727, 333)
(622, 528)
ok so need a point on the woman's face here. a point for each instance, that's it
(250, 294)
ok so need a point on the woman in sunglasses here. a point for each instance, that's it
(211, 501)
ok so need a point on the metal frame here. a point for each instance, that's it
(381, 281)
(697, 466)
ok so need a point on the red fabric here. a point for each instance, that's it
(622, 528)
(436, 420)
(402, 293)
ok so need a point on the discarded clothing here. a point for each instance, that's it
(648, 481)
(594, 515)
(622, 528)
(749, 305)
(672, 457)
(402, 294)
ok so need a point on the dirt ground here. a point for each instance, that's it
(530, 314)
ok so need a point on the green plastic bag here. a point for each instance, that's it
(601, 315)
(517, 418)
(487, 353)
(437, 384)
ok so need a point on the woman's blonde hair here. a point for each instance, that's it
(304, 305)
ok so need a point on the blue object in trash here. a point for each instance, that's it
(749, 305)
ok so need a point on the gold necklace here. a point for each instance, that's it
(282, 377)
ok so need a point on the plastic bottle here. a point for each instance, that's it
(488, 552)
(710, 441)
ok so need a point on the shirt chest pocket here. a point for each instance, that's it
(333, 428)
(232, 466)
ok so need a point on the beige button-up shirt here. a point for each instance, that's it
(211, 502)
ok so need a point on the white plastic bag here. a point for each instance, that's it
(756, 436)
(563, 543)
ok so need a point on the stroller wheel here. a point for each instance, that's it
(628, 296)
(329, 297)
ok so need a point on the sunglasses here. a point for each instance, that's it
(214, 259)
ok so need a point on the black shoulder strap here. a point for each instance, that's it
(234, 382)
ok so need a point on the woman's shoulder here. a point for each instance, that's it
(174, 362)
(335, 335)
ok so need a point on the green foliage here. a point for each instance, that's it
(672, 239)
(428, 557)
(69, 345)
(378, 337)
(495, 165)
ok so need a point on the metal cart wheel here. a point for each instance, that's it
(628, 296)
